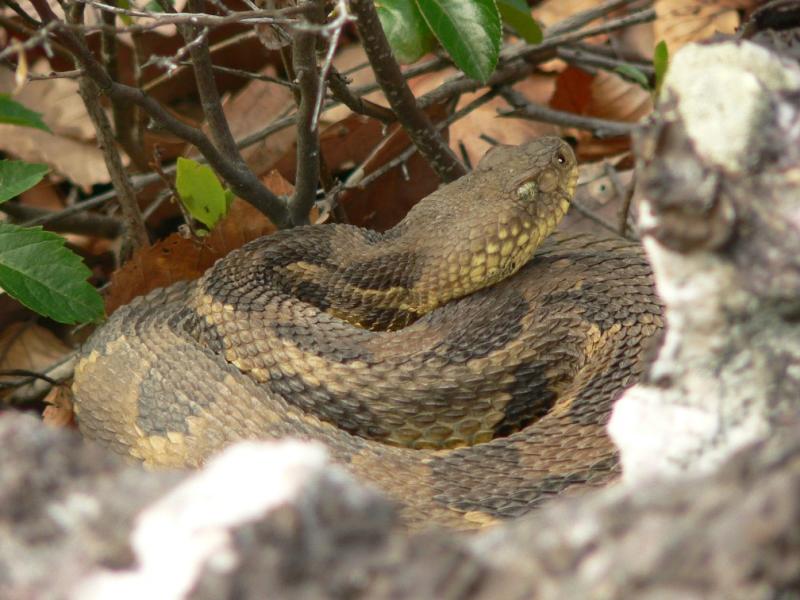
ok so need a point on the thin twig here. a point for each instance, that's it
(162, 19)
(359, 105)
(207, 89)
(135, 227)
(85, 224)
(332, 31)
(36, 39)
(244, 74)
(401, 99)
(135, 230)
(304, 64)
(358, 180)
(518, 61)
(26, 18)
(72, 74)
(38, 384)
(525, 109)
(583, 18)
(243, 182)
(582, 57)
(29, 375)
(122, 112)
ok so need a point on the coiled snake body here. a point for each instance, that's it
(436, 361)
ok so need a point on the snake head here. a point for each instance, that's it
(551, 175)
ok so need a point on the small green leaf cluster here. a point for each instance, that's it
(469, 30)
(35, 266)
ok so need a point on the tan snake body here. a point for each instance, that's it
(488, 393)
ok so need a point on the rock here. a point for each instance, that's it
(277, 520)
(720, 220)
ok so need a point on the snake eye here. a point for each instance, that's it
(561, 159)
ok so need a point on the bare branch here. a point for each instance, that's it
(525, 109)
(390, 78)
(85, 224)
(583, 18)
(304, 65)
(207, 88)
(242, 181)
(518, 61)
(135, 228)
(583, 56)
(343, 94)
(26, 18)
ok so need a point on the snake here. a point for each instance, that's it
(464, 362)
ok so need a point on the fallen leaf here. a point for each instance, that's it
(472, 130)
(70, 149)
(679, 22)
(253, 108)
(573, 91)
(616, 99)
(609, 97)
(58, 412)
(177, 258)
(30, 347)
(386, 200)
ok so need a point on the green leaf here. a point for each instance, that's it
(37, 270)
(660, 63)
(15, 114)
(517, 15)
(469, 30)
(201, 192)
(16, 176)
(634, 74)
(406, 30)
(126, 19)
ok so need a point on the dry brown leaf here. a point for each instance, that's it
(679, 22)
(180, 259)
(485, 121)
(58, 101)
(254, 107)
(29, 347)
(81, 163)
(573, 91)
(384, 202)
(616, 99)
(58, 412)
(70, 150)
(609, 97)
(550, 12)
(387, 199)
(346, 59)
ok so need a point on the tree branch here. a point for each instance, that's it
(242, 181)
(84, 224)
(525, 109)
(304, 65)
(340, 91)
(135, 230)
(387, 72)
(207, 87)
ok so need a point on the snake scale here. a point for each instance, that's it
(438, 361)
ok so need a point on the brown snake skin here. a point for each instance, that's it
(476, 405)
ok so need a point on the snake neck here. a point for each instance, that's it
(466, 236)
